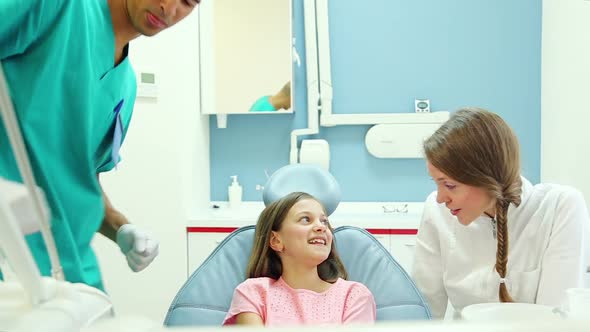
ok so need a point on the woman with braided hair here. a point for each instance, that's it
(488, 234)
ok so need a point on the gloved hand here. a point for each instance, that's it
(139, 247)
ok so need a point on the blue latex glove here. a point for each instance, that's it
(138, 246)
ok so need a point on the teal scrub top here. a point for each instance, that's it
(58, 57)
(262, 105)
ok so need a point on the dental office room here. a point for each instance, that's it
(424, 159)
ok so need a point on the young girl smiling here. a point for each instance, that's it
(295, 275)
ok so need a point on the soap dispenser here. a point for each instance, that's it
(234, 192)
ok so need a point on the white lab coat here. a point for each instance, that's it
(546, 252)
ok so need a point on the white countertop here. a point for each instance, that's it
(387, 215)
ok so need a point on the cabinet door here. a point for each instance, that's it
(199, 247)
(402, 249)
(384, 239)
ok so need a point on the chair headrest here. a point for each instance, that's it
(307, 178)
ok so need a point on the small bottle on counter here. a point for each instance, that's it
(234, 192)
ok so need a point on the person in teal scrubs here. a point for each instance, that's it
(278, 101)
(73, 88)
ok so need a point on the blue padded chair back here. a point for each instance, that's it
(308, 178)
(206, 296)
(368, 262)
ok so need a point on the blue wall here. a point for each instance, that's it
(385, 53)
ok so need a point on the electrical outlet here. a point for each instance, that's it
(422, 105)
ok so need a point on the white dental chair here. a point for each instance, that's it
(206, 296)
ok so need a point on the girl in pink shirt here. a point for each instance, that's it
(295, 275)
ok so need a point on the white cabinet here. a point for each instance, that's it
(384, 239)
(199, 246)
(401, 248)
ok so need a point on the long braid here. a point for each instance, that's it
(511, 194)
(502, 251)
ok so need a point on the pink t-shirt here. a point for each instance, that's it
(279, 304)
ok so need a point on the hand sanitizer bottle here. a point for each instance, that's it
(234, 192)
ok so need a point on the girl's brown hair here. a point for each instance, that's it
(265, 262)
(477, 148)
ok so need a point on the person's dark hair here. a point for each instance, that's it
(478, 148)
(265, 262)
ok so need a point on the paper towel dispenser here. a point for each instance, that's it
(315, 151)
(403, 140)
